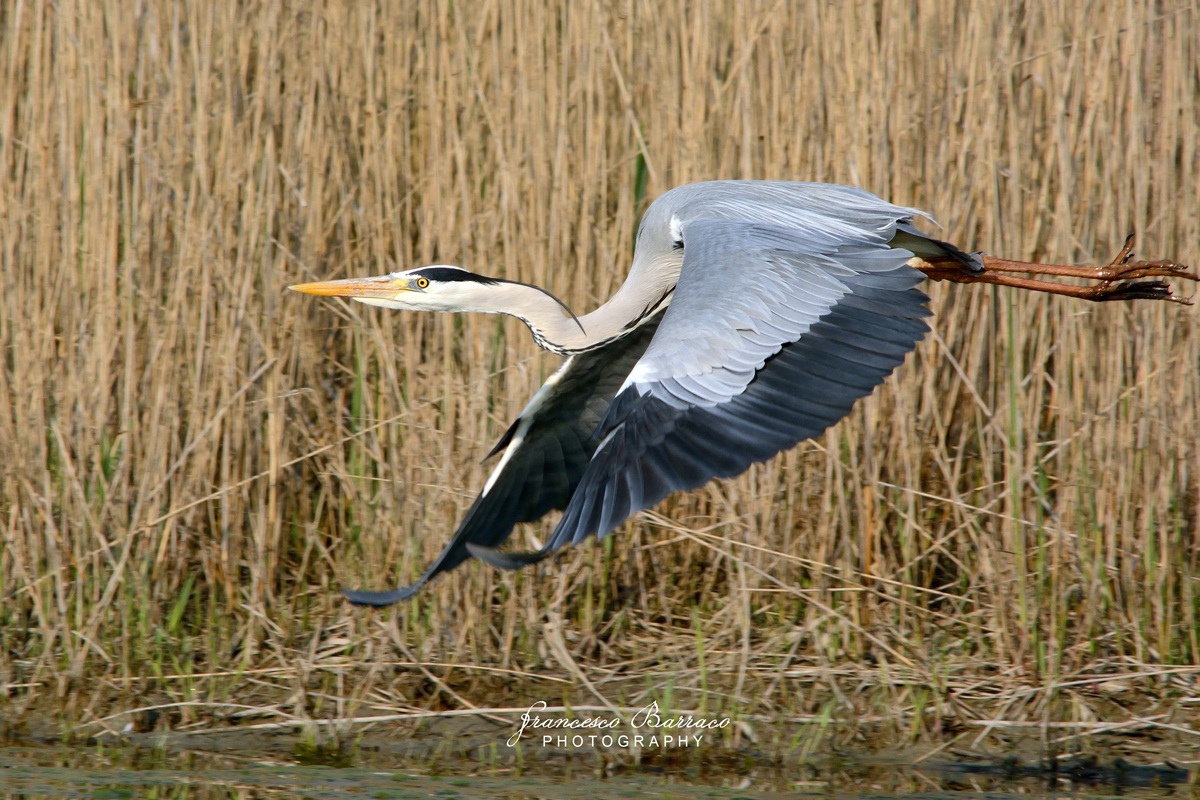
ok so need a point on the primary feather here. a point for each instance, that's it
(755, 314)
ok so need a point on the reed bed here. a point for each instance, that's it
(1003, 538)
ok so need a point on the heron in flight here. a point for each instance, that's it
(754, 316)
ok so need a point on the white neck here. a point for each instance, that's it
(553, 325)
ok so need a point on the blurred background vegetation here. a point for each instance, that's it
(196, 460)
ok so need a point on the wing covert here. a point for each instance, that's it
(768, 341)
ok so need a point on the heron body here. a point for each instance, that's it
(754, 316)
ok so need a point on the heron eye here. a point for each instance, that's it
(422, 283)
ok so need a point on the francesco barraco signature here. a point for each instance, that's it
(649, 726)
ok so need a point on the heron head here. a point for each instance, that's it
(435, 288)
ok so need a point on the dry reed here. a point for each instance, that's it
(195, 460)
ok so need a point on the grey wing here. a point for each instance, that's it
(769, 340)
(545, 454)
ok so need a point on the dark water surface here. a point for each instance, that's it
(290, 766)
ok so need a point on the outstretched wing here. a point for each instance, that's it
(545, 453)
(772, 336)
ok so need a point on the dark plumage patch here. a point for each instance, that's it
(554, 454)
(447, 274)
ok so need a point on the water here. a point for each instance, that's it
(291, 766)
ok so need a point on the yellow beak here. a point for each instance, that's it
(354, 287)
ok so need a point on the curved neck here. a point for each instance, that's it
(553, 325)
(557, 329)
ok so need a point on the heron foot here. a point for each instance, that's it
(1120, 279)
(1125, 269)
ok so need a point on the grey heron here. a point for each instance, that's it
(754, 316)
